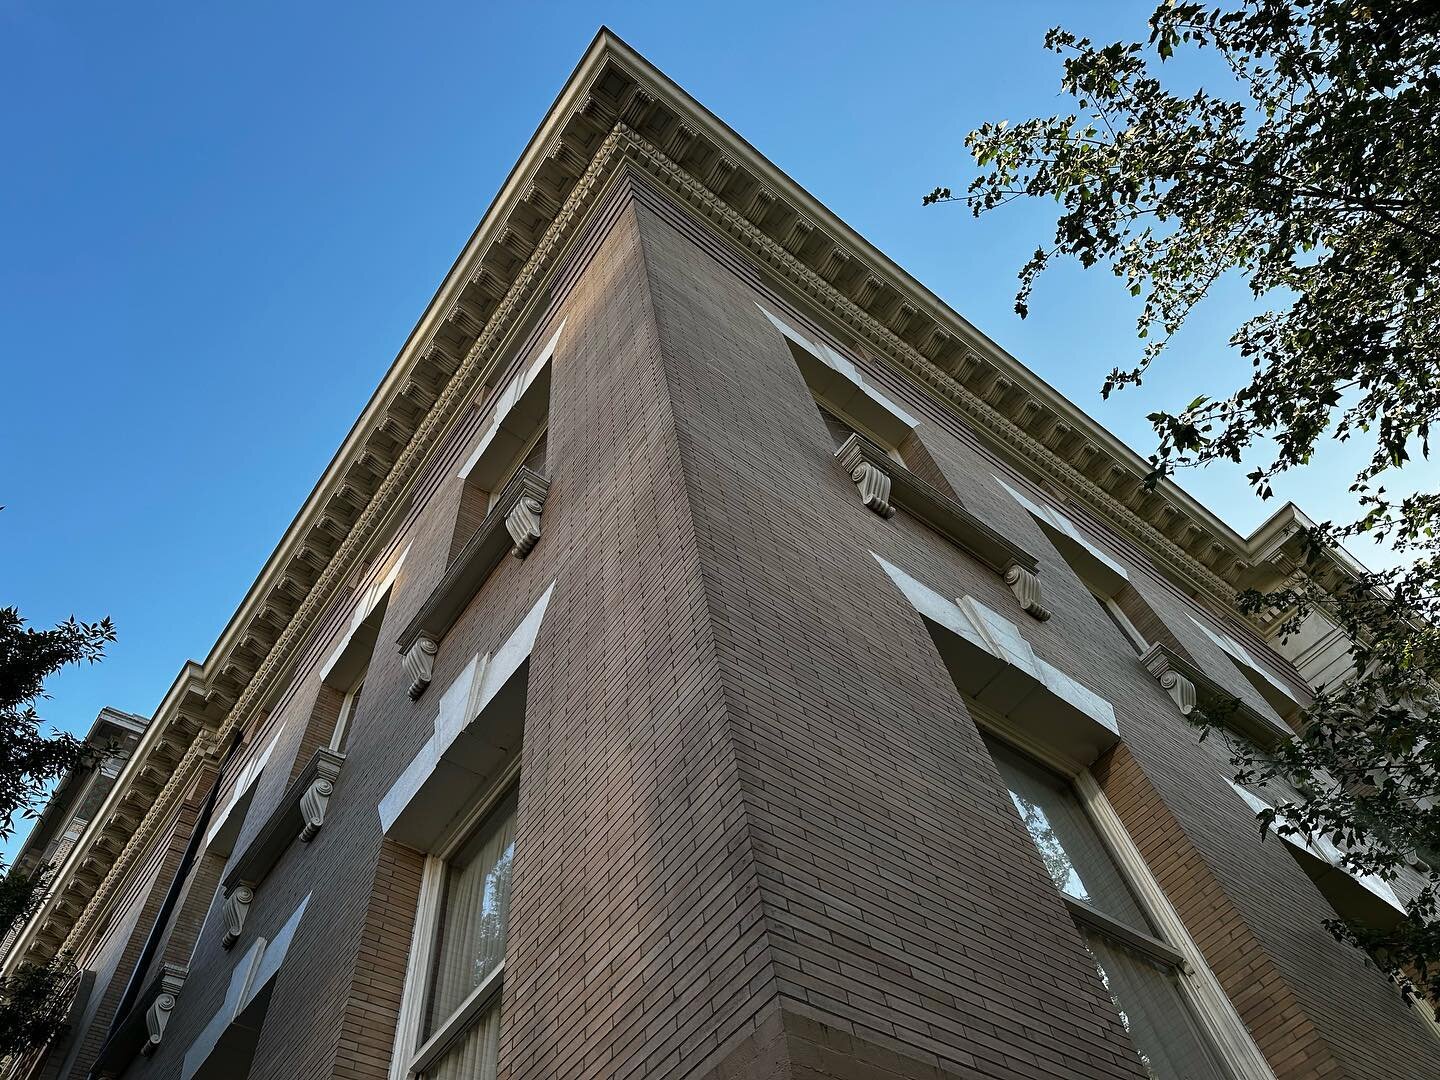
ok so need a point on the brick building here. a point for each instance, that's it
(708, 656)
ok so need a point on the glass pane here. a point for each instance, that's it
(1072, 851)
(1154, 1013)
(839, 430)
(475, 1054)
(474, 910)
(536, 458)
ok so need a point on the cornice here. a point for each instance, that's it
(615, 108)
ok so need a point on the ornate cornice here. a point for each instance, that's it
(616, 109)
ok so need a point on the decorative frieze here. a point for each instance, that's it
(235, 909)
(1025, 584)
(419, 660)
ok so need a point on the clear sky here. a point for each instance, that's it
(218, 223)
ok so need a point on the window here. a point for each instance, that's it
(460, 1029)
(845, 399)
(227, 822)
(1116, 614)
(341, 735)
(1099, 571)
(1140, 972)
(1279, 697)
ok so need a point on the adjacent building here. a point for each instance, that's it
(709, 656)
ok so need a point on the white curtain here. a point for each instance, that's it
(475, 910)
(475, 1054)
(1153, 1011)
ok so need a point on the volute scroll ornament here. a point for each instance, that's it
(1025, 584)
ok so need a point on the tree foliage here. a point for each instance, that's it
(1312, 174)
(30, 761)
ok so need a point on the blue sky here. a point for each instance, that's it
(218, 222)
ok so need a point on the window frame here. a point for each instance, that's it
(1231, 1045)
(348, 704)
(413, 1054)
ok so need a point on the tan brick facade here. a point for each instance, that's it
(758, 832)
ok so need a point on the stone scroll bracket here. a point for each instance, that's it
(1172, 674)
(869, 469)
(1025, 584)
(313, 803)
(157, 1018)
(236, 908)
(419, 661)
(523, 524)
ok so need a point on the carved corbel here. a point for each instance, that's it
(1161, 663)
(312, 806)
(237, 906)
(419, 662)
(523, 521)
(1025, 584)
(1181, 689)
(157, 1018)
(866, 467)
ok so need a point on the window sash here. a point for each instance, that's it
(1226, 1047)
(481, 1006)
(415, 1051)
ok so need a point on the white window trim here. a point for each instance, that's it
(376, 594)
(249, 776)
(996, 635)
(1122, 620)
(1319, 847)
(347, 711)
(250, 974)
(848, 372)
(1279, 696)
(1229, 1038)
(514, 467)
(509, 398)
(410, 1056)
(1107, 576)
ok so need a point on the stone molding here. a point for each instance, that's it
(513, 524)
(884, 483)
(1190, 688)
(143, 1029)
(299, 816)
